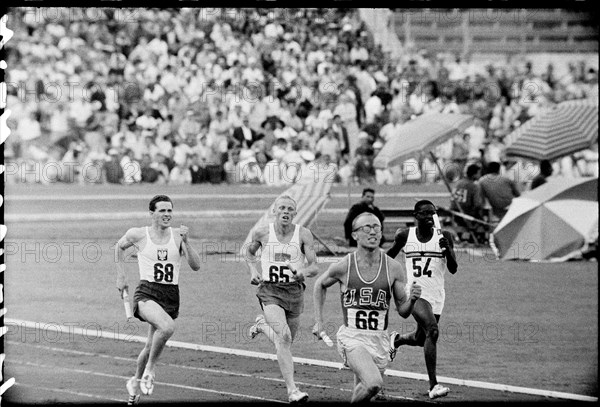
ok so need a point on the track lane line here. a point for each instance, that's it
(314, 362)
(175, 385)
(75, 393)
(196, 368)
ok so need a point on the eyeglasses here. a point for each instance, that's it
(367, 228)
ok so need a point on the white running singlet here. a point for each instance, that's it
(159, 263)
(275, 256)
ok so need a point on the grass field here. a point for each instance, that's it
(515, 323)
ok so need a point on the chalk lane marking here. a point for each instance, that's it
(196, 368)
(180, 386)
(313, 362)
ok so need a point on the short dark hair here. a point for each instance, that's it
(422, 203)
(472, 170)
(371, 190)
(157, 199)
(546, 168)
(493, 167)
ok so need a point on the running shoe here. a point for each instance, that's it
(381, 396)
(147, 383)
(298, 396)
(134, 396)
(393, 349)
(256, 328)
(438, 391)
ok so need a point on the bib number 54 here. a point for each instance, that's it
(418, 270)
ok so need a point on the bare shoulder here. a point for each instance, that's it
(306, 235)
(396, 269)
(134, 235)
(340, 268)
(401, 233)
(260, 234)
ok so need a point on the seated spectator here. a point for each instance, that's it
(498, 190)
(251, 172)
(231, 167)
(113, 172)
(243, 136)
(150, 174)
(180, 174)
(198, 169)
(273, 173)
(132, 172)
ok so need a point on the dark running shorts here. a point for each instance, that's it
(290, 297)
(165, 295)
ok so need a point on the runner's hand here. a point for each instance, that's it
(183, 232)
(415, 291)
(121, 284)
(256, 279)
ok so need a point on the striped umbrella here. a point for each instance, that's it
(420, 135)
(563, 129)
(550, 221)
(311, 194)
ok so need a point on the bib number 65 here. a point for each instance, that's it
(277, 274)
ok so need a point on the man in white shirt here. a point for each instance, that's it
(373, 108)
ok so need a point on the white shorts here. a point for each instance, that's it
(434, 296)
(377, 343)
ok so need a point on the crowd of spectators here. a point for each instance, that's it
(257, 96)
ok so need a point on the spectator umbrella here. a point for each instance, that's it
(553, 220)
(420, 135)
(563, 129)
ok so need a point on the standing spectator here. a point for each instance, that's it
(329, 145)
(342, 135)
(460, 152)
(373, 108)
(498, 190)
(28, 130)
(59, 123)
(366, 204)
(477, 135)
(391, 129)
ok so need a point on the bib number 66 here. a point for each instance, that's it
(367, 321)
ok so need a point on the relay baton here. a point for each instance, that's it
(437, 226)
(323, 335)
(127, 304)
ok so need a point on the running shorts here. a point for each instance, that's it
(165, 295)
(290, 297)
